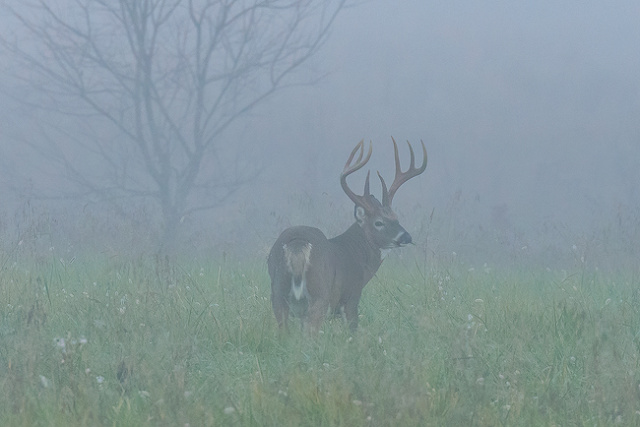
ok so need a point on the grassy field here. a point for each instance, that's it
(105, 342)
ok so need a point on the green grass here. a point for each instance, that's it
(100, 342)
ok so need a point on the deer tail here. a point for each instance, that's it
(297, 256)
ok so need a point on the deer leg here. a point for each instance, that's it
(315, 316)
(351, 313)
(281, 310)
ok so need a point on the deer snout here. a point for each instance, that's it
(403, 238)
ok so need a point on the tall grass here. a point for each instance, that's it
(153, 342)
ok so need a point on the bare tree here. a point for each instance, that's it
(149, 86)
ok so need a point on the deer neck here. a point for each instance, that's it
(355, 242)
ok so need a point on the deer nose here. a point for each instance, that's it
(403, 239)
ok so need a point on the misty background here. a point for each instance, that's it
(529, 113)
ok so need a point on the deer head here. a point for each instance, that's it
(378, 221)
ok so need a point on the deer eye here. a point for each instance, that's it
(379, 224)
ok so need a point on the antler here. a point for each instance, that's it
(351, 168)
(401, 177)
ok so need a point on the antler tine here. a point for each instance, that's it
(351, 168)
(402, 177)
(366, 184)
(397, 157)
(385, 193)
(348, 167)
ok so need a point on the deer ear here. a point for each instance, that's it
(360, 214)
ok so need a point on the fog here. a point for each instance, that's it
(532, 106)
(529, 112)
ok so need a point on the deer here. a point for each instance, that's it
(312, 276)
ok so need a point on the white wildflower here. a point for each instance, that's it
(44, 381)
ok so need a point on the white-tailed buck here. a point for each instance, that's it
(311, 274)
